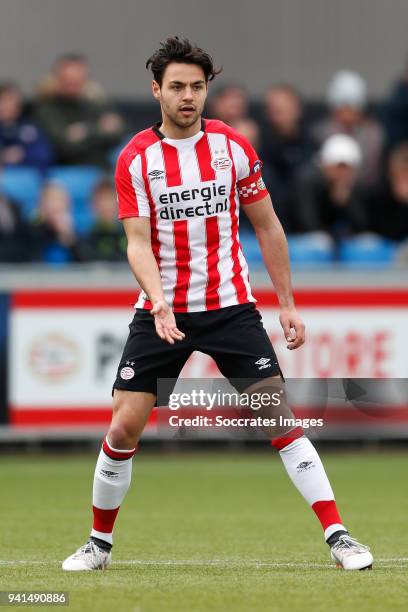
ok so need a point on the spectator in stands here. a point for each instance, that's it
(330, 198)
(83, 131)
(22, 143)
(14, 233)
(248, 128)
(54, 240)
(396, 112)
(229, 103)
(388, 201)
(347, 99)
(107, 240)
(286, 144)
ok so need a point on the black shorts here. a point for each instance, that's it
(233, 336)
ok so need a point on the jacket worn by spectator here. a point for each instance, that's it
(106, 242)
(81, 131)
(22, 143)
(315, 209)
(14, 233)
(396, 114)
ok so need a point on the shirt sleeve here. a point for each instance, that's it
(130, 189)
(250, 185)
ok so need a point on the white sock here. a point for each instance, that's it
(111, 483)
(307, 473)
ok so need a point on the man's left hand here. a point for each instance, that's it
(293, 328)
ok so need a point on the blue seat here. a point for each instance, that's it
(80, 182)
(22, 184)
(251, 248)
(367, 249)
(307, 249)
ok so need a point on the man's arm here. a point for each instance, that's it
(274, 248)
(146, 271)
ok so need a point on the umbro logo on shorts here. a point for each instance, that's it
(263, 363)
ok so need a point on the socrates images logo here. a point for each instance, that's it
(54, 357)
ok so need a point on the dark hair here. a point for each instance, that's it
(180, 50)
(71, 57)
(105, 184)
(287, 88)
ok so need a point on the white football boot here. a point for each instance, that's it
(350, 554)
(88, 557)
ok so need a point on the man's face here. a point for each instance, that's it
(398, 173)
(339, 173)
(182, 93)
(231, 105)
(105, 205)
(71, 78)
(283, 109)
(10, 105)
(347, 116)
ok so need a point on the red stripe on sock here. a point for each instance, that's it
(119, 456)
(104, 519)
(293, 434)
(327, 513)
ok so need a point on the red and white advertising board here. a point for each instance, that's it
(65, 346)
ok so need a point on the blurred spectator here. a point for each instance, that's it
(107, 240)
(347, 99)
(82, 131)
(14, 233)
(229, 103)
(286, 145)
(388, 201)
(22, 143)
(54, 239)
(396, 112)
(249, 129)
(330, 199)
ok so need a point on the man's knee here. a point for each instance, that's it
(130, 413)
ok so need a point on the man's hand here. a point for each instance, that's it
(165, 322)
(293, 327)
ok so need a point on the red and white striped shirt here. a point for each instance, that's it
(191, 190)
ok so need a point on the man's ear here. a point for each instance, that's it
(156, 90)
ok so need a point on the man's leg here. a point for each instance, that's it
(306, 471)
(299, 456)
(131, 410)
(239, 344)
(114, 466)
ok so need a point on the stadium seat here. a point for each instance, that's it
(251, 248)
(315, 248)
(367, 249)
(23, 185)
(79, 182)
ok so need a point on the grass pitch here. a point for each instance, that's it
(206, 533)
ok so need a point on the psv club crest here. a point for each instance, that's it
(221, 162)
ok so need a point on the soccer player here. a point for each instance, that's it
(180, 184)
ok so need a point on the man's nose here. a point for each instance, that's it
(188, 93)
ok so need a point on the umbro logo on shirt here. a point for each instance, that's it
(156, 174)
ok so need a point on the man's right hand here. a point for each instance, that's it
(165, 322)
